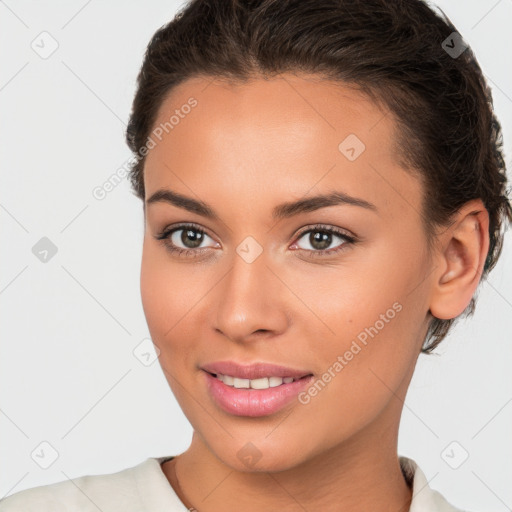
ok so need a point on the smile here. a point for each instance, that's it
(261, 383)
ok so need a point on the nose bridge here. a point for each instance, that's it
(250, 297)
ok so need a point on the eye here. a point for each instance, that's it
(188, 235)
(187, 239)
(321, 237)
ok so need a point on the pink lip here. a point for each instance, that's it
(253, 402)
(253, 371)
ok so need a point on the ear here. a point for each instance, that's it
(460, 258)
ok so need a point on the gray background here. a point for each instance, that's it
(70, 378)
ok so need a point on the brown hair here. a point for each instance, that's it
(400, 52)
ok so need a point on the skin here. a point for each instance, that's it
(288, 307)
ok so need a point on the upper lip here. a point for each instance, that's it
(253, 371)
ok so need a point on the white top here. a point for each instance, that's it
(145, 488)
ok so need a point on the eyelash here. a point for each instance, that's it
(166, 233)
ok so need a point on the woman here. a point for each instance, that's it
(323, 189)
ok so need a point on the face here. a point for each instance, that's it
(336, 289)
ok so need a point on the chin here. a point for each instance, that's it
(259, 457)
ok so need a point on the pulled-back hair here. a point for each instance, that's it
(402, 53)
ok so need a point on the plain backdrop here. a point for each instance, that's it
(76, 394)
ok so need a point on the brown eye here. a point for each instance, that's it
(184, 240)
(187, 237)
(191, 238)
(321, 238)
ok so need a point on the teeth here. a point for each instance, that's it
(227, 379)
(276, 381)
(262, 383)
(241, 383)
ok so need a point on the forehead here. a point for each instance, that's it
(291, 132)
(304, 104)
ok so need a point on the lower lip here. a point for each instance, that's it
(254, 402)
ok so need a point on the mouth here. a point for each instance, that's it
(254, 390)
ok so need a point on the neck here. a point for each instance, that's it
(357, 475)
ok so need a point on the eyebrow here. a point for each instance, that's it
(282, 211)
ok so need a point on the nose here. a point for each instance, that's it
(251, 301)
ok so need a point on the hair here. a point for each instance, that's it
(395, 51)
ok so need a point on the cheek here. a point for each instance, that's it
(363, 374)
(365, 293)
(168, 298)
(169, 293)
(376, 311)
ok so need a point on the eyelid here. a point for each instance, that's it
(165, 237)
(348, 238)
(183, 226)
(326, 227)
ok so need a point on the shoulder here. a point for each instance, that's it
(424, 497)
(114, 491)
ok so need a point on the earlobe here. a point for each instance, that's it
(462, 252)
